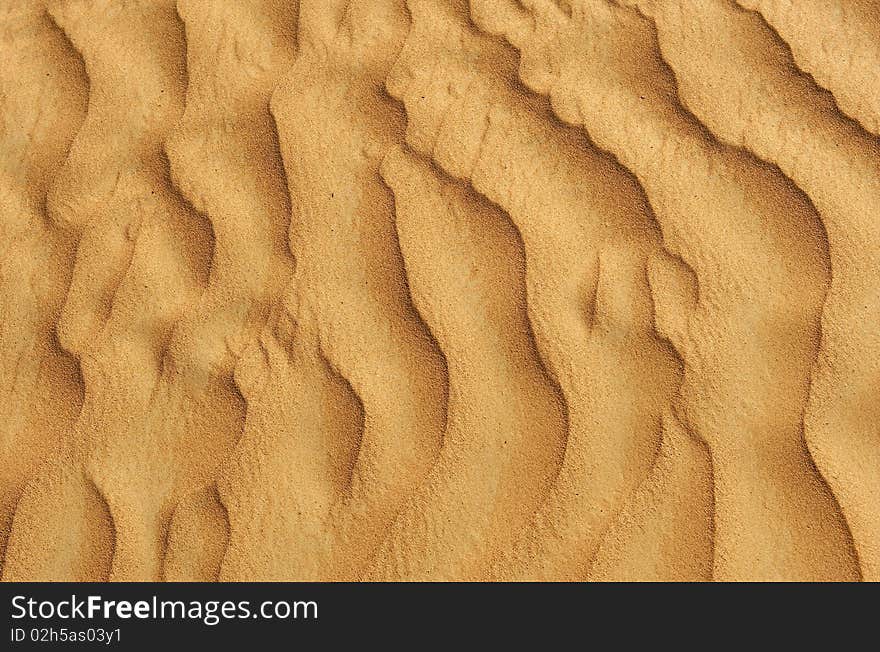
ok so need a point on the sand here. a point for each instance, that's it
(440, 290)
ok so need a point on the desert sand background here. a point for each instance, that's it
(438, 289)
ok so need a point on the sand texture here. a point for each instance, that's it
(440, 290)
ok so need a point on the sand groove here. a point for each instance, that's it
(486, 339)
(41, 390)
(822, 28)
(439, 289)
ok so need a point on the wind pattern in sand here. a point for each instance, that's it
(440, 290)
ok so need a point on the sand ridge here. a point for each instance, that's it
(440, 290)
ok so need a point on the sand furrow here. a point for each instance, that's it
(198, 535)
(671, 511)
(838, 44)
(294, 462)
(40, 385)
(465, 109)
(452, 240)
(355, 310)
(251, 263)
(117, 267)
(587, 73)
(841, 415)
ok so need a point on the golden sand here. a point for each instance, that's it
(440, 290)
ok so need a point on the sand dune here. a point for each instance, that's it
(440, 290)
